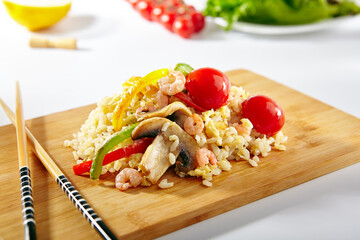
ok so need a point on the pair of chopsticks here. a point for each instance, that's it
(25, 180)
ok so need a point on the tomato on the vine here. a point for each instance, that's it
(183, 26)
(210, 88)
(190, 9)
(176, 3)
(133, 3)
(167, 19)
(265, 114)
(144, 7)
(166, 12)
(198, 20)
(156, 12)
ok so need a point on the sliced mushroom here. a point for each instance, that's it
(175, 111)
(155, 161)
(152, 163)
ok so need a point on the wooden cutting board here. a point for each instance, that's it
(322, 139)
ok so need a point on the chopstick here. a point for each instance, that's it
(65, 185)
(25, 179)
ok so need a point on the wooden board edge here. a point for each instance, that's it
(293, 180)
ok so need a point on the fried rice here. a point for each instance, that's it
(221, 135)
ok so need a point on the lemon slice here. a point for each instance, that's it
(37, 14)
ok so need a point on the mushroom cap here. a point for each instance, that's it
(176, 111)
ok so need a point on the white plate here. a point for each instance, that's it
(264, 29)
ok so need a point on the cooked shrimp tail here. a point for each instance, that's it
(172, 84)
(128, 177)
(204, 156)
(194, 124)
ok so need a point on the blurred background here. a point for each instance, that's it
(114, 42)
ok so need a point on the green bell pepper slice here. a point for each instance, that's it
(119, 137)
(183, 68)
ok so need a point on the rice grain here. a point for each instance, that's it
(165, 184)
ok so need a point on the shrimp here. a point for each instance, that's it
(147, 108)
(242, 130)
(173, 83)
(128, 177)
(161, 99)
(203, 156)
(194, 124)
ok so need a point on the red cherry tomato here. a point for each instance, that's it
(183, 26)
(191, 9)
(166, 11)
(133, 3)
(264, 113)
(157, 12)
(182, 9)
(144, 7)
(208, 87)
(167, 19)
(198, 20)
(175, 3)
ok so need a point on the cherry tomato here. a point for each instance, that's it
(208, 87)
(198, 20)
(191, 9)
(183, 26)
(144, 7)
(133, 3)
(182, 9)
(175, 3)
(167, 19)
(167, 11)
(157, 12)
(264, 113)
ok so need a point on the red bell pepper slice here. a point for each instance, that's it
(189, 101)
(138, 146)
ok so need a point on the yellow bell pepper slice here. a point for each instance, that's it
(135, 86)
(148, 92)
(131, 81)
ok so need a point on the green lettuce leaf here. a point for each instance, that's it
(279, 12)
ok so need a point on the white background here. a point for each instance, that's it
(116, 43)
